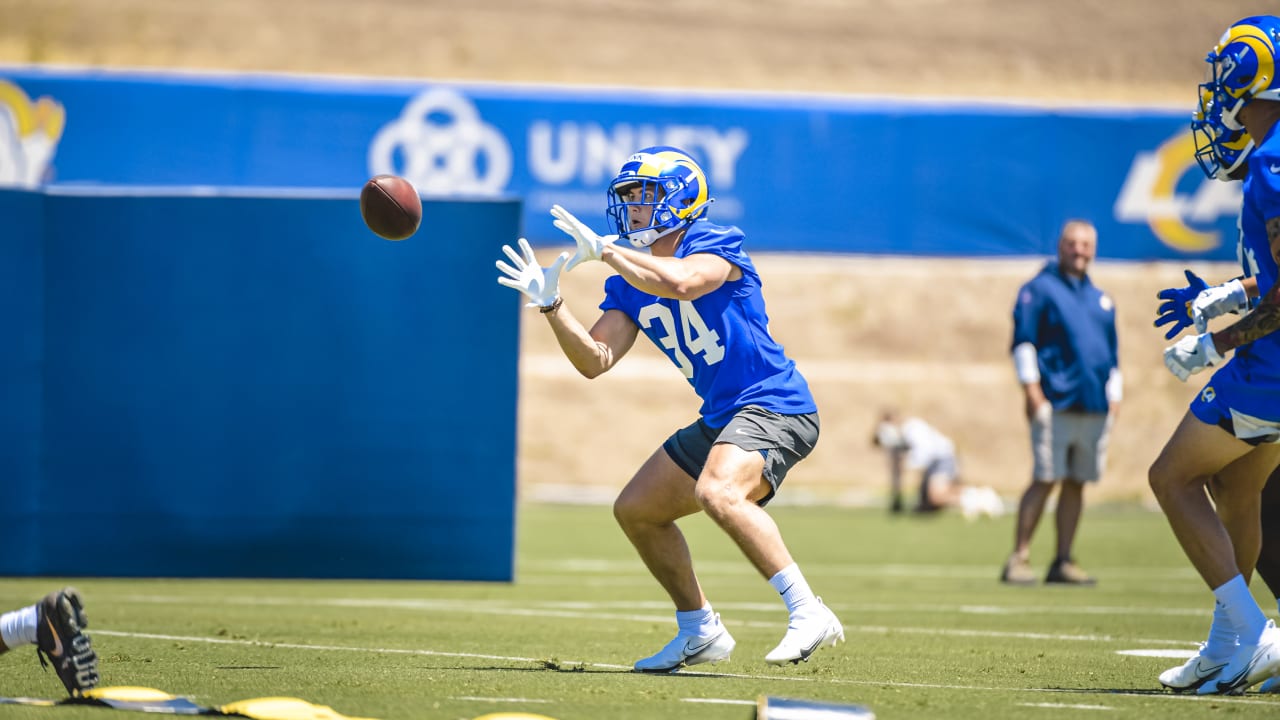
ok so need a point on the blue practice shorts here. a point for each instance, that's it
(1241, 405)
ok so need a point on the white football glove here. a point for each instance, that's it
(542, 287)
(1190, 355)
(1229, 297)
(590, 245)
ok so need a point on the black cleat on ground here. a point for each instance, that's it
(60, 638)
(1066, 572)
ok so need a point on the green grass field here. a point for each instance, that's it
(931, 634)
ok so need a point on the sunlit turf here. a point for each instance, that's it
(931, 633)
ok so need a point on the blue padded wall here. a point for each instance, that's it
(257, 386)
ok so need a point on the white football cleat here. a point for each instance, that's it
(806, 635)
(1250, 665)
(1193, 673)
(686, 649)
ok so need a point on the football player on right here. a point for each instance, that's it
(1222, 154)
(1229, 441)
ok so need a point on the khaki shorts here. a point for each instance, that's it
(1069, 445)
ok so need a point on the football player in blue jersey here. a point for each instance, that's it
(1230, 436)
(689, 286)
(1222, 154)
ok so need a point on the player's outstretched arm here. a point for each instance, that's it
(593, 353)
(687, 278)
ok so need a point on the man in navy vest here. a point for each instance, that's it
(1064, 351)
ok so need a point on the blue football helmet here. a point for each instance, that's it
(1242, 67)
(670, 182)
(1222, 153)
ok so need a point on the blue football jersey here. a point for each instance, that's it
(1244, 394)
(1261, 202)
(721, 341)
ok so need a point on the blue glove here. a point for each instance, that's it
(1176, 307)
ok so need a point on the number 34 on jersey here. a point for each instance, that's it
(690, 337)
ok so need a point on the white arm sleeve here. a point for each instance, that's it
(1115, 386)
(1026, 363)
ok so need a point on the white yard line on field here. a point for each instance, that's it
(472, 698)
(586, 611)
(598, 566)
(559, 608)
(1171, 654)
(1217, 699)
(1066, 706)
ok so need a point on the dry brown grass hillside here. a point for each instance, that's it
(930, 337)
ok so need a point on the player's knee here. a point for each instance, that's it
(715, 496)
(627, 511)
(1163, 477)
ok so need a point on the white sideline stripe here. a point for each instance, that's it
(661, 606)
(495, 699)
(718, 701)
(597, 566)
(1065, 706)
(627, 668)
(1172, 654)
(475, 607)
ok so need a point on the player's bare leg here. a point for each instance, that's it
(1268, 566)
(646, 509)
(730, 486)
(728, 490)
(659, 494)
(1193, 454)
(1216, 651)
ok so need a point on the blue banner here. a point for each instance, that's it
(796, 172)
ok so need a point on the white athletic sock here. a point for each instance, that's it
(700, 622)
(1222, 641)
(1245, 615)
(18, 628)
(791, 585)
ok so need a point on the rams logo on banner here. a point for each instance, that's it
(1181, 207)
(29, 135)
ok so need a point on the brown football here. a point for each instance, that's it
(391, 207)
